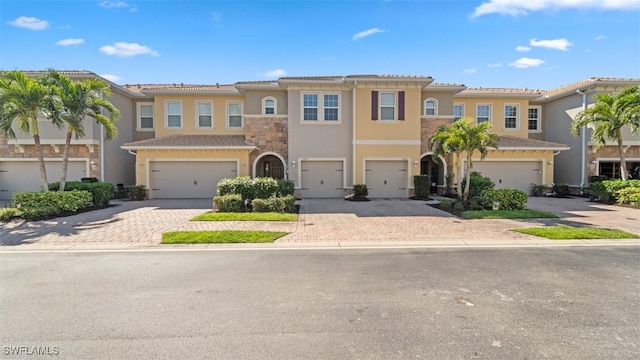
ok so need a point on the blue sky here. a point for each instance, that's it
(491, 43)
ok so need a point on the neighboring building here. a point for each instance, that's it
(327, 133)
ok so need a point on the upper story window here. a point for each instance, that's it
(483, 113)
(458, 111)
(511, 116)
(431, 107)
(145, 116)
(269, 106)
(204, 114)
(235, 112)
(387, 106)
(533, 119)
(321, 107)
(174, 114)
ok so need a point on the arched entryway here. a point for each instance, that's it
(436, 170)
(269, 165)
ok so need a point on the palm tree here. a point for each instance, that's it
(608, 116)
(81, 99)
(22, 100)
(463, 136)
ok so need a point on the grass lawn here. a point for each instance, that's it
(220, 237)
(506, 214)
(563, 232)
(246, 216)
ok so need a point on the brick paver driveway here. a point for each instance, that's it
(321, 221)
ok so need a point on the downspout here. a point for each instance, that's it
(102, 177)
(353, 142)
(583, 139)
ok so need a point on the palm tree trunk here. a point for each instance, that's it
(623, 163)
(468, 177)
(65, 158)
(459, 185)
(43, 170)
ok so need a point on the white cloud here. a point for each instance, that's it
(470, 71)
(523, 7)
(275, 73)
(556, 44)
(495, 65)
(364, 34)
(526, 62)
(70, 42)
(125, 49)
(110, 77)
(31, 23)
(600, 37)
(110, 4)
(521, 48)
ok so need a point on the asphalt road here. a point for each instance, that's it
(555, 303)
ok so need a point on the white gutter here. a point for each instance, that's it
(188, 147)
(583, 143)
(353, 107)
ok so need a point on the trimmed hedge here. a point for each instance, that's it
(45, 204)
(102, 192)
(477, 184)
(285, 187)
(629, 196)
(259, 205)
(6, 214)
(510, 199)
(422, 186)
(229, 203)
(606, 191)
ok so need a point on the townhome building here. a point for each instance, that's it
(326, 133)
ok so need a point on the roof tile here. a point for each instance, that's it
(192, 141)
(518, 142)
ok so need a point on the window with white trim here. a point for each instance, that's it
(204, 114)
(174, 114)
(431, 107)
(387, 106)
(145, 116)
(533, 118)
(511, 116)
(321, 107)
(483, 113)
(269, 106)
(235, 114)
(458, 111)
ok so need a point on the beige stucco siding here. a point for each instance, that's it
(118, 164)
(408, 129)
(445, 102)
(253, 101)
(497, 113)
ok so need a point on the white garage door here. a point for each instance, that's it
(188, 179)
(21, 176)
(386, 179)
(321, 179)
(511, 174)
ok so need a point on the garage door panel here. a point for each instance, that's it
(185, 179)
(510, 174)
(23, 176)
(386, 179)
(321, 179)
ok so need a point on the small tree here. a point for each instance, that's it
(608, 116)
(463, 136)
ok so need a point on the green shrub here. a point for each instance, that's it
(285, 187)
(102, 192)
(260, 205)
(229, 203)
(458, 207)
(138, 192)
(281, 204)
(510, 199)
(445, 204)
(422, 185)
(561, 190)
(88, 180)
(264, 187)
(477, 184)
(242, 185)
(6, 214)
(629, 196)
(360, 191)
(606, 191)
(598, 192)
(43, 204)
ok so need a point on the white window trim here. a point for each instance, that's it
(198, 114)
(504, 117)
(453, 112)
(490, 110)
(539, 129)
(435, 108)
(229, 102)
(320, 107)
(166, 114)
(139, 117)
(395, 106)
(264, 106)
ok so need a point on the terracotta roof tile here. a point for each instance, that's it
(191, 141)
(390, 76)
(65, 72)
(441, 84)
(518, 142)
(500, 91)
(571, 88)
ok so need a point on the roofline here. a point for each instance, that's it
(596, 82)
(528, 96)
(188, 147)
(195, 92)
(561, 148)
(456, 89)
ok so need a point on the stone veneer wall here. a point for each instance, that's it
(9, 151)
(269, 134)
(609, 152)
(428, 127)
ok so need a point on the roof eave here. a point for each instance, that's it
(555, 148)
(492, 95)
(190, 92)
(125, 147)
